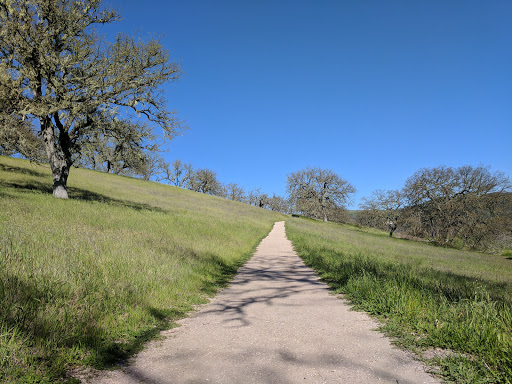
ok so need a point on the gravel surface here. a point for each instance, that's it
(276, 323)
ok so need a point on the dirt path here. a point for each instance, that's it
(276, 323)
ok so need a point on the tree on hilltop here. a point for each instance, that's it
(279, 204)
(178, 173)
(235, 192)
(257, 198)
(55, 69)
(205, 180)
(317, 192)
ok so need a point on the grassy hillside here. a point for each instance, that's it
(452, 307)
(89, 279)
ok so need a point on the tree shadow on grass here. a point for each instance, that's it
(449, 285)
(29, 186)
(24, 171)
(86, 195)
(25, 301)
(78, 194)
(48, 338)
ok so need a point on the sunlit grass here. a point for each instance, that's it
(89, 279)
(428, 297)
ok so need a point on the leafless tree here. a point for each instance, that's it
(446, 198)
(19, 137)
(317, 192)
(118, 146)
(383, 209)
(178, 173)
(235, 192)
(279, 204)
(257, 198)
(149, 167)
(465, 206)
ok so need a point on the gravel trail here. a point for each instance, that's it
(275, 323)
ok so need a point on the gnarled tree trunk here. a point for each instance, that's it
(60, 173)
(60, 161)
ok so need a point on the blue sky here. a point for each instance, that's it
(374, 90)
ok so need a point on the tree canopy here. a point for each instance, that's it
(382, 209)
(450, 203)
(205, 180)
(317, 192)
(56, 69)
(446, 205)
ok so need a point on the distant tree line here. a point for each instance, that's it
(460, 207)
(463, 207)
(205, 180)
(312, 192)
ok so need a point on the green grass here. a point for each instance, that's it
(86, 281)
(429, 298)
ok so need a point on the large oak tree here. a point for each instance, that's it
(451, 203)
(463, 206)
(56, 69)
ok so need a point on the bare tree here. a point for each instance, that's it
(383, 209)
(467, 205)
(235, 192)
(56, 69)
(149, 167)
(178, 173)
(16, 133)
(18, 137)
(257, 198)
(317, 192)
(279, 204)
(445, 198)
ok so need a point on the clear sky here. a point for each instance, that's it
(372, 89)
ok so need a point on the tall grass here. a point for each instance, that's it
(86, 281)
(451, 307)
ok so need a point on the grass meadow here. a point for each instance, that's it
(451, 307)
(86, 281)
